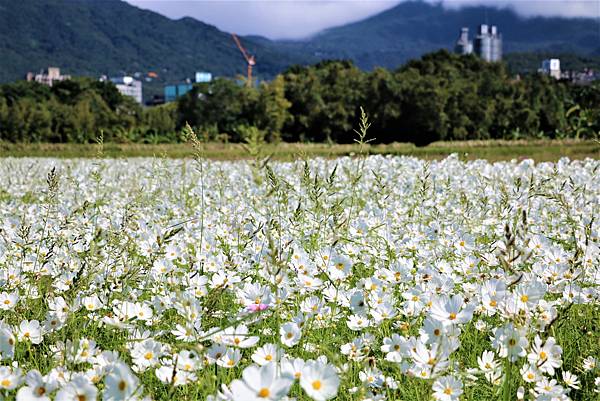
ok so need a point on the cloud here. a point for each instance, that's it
(281, 19)
(271, 18)
(546, 8)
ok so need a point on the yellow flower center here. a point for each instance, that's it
(316, 384)
(452, 316)
(268, 358)
(5, 383)
(264, 392)
(543, 356)
(148, 355)
(524, 298)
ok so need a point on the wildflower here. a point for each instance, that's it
(121, 384)
(238, 337)
(447, 388)
(509, 342)
(290, 334)
(7, 342)
(230, 358)
(589, 363)
(9, 378)
(372, 377)
(358, 322)
(319, 380)
(570, 379)
(266, 354)
(261, 383)
(78, 389)
(8, 300)
(451, 310)
(486, 362)
(145, 354)
(38, 388)
(292, 367)
(30, 330)
(530, 373)
(393, 347)
(545, 355)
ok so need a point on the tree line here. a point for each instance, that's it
(441, 96)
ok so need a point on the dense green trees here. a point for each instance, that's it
(438, 97)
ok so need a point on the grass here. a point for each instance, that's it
(306, 206)
(493, 150)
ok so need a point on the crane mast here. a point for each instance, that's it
(250, 60)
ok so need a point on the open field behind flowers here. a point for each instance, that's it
(366, 278)
(492, 150)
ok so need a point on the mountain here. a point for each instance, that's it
(93, 37)
(413, 28)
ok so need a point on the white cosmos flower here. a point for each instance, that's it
(487, 362)
(8, 300)
(290, 334)
(38, 388)
(261, 383)
(238, 337)
(292, 367)
(78, 389)
(30, 330)
(546, 355)
(10, 378)
(571, 380)
(7, 342)
(230, 358)
(509, 342)
(121, 384)
(451, 310)
(266, 354)
(447, 388)
(319, 380)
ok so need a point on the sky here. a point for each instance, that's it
(294, 19)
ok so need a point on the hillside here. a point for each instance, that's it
(413, 28)
(92, 37)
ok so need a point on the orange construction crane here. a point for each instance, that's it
(249, 59)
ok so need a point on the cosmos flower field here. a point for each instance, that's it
(364, 278)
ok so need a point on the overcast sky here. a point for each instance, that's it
(277, 19)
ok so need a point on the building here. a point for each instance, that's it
(48, 77)
(488, 43)
(551, 67)
(464, 46)
(203, 77)
(173, 92)
(128, 86)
